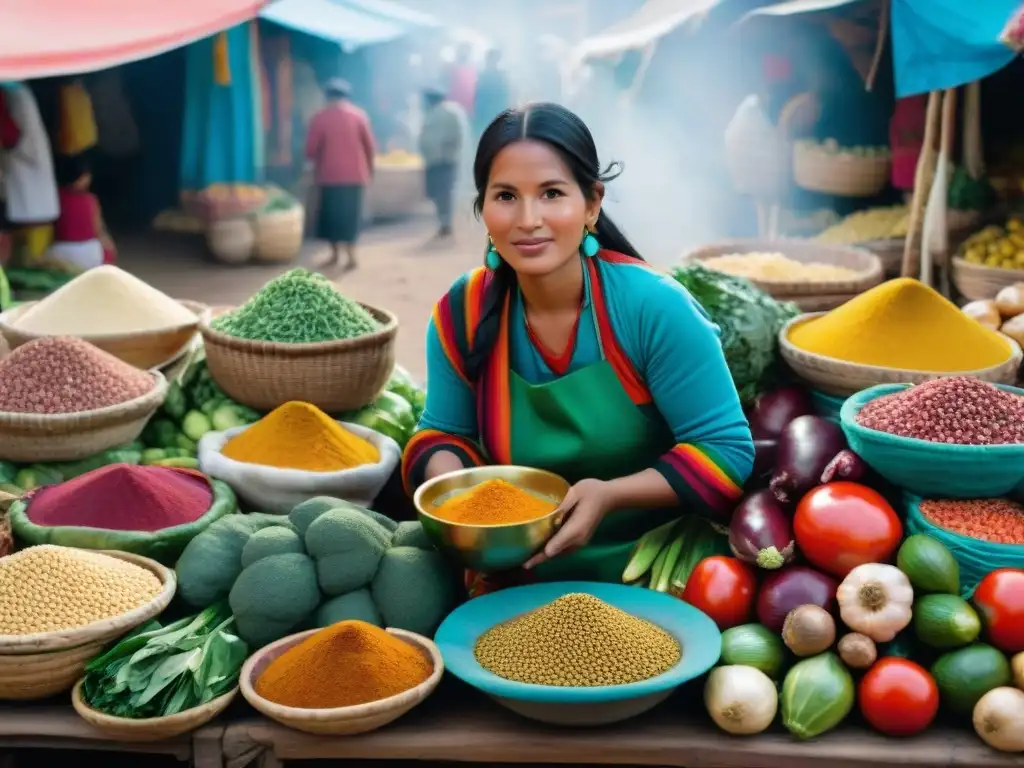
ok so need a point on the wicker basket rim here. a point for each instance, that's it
(854, 403)
(836, 365)
(111, 413)
(356, 712)
(101, 719)
(93, 338)
(963, 264)
(872, 270)
(810, 148)
(69, 639)
(381, 335)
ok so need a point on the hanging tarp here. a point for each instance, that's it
(391, 11)
(335, 21)
(794, 7)
(654, 20)
(44, 38)
(940, 44)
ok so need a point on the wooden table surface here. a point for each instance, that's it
(462, 726)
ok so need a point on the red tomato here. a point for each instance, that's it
(1000, 601)
(722, 587)
(842, 525)
(898, 697)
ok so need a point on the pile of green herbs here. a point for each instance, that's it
(749, 320)
(158, 671)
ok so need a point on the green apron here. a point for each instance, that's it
(584, 425)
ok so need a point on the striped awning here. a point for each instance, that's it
(44, 38)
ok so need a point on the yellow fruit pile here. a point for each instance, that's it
(995, 246)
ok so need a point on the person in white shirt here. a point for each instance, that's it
(442, 144)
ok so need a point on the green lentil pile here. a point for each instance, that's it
(577, 641)
(299, 307)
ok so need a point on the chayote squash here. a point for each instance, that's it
(273, 596)
(164, 545)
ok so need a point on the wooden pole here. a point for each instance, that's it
(911, 261)
(883, 34)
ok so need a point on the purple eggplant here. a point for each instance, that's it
(761, 533)
(764, 458)
(790, 588)
(846, 465)
(806, 446)
(773, 411)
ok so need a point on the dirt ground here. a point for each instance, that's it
(400, 269)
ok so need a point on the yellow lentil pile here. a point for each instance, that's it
(778, 267)
(49, 588)
(577, 641)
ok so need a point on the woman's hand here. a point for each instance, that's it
(584, 508)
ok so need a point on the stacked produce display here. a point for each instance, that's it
(875, 563)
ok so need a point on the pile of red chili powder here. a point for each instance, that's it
(58, 374)
(960, 410)
(123, 497)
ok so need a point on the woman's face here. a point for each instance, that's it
(534, 210)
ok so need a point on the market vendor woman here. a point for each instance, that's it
(568, 353)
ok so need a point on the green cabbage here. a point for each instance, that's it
(749, 320)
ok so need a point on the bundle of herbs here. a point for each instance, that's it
(158, 671)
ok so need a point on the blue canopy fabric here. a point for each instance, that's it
(396, 12)
(940, 44)
(335, 21)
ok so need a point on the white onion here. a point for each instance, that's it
(741, 700)
(999, 719)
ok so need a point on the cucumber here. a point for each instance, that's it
(945, 621)
(227, 417)
(929, 565)
(175, 405)
(753, 645)
(965, 675)
(195, 425)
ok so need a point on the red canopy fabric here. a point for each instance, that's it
(43, 38)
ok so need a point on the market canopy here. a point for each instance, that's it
(654, 20)
(940, 44)
(336, 21)
(44, 38)
(392, 11)
(794, 7)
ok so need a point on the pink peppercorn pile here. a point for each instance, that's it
(999, 521)
(60, 374)
(960, 410)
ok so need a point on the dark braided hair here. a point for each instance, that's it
(569, 136)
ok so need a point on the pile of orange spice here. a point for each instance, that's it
(999, 521)
(343, 665)
(493, 502)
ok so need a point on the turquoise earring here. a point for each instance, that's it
(590, 246)
(493, 259)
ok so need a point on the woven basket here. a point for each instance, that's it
(150, 728)
(44, 664)
(839, 174)
(976, 281)
(340, 721)
(335, 376)
(145, 349)
(890, 251)
(231, 241)
(28, 437)
(279, 234)
(822, 303)
(867, 266)
(6, 537)
(838, 377)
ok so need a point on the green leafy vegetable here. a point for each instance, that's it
(749, 320)
(157, 671)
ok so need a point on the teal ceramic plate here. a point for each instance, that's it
(696, 632)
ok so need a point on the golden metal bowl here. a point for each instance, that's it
(490, 547)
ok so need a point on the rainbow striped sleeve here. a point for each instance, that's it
(455, 317)
(675, 350)
(424, 444)
(702, 479)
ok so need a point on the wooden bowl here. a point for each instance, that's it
(838, 377)
(976, 281)
(145, 349)
(867, 266)
(150, 728)
(340, 721)
(102, 631)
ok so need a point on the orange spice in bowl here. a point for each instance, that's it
(493, 502)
